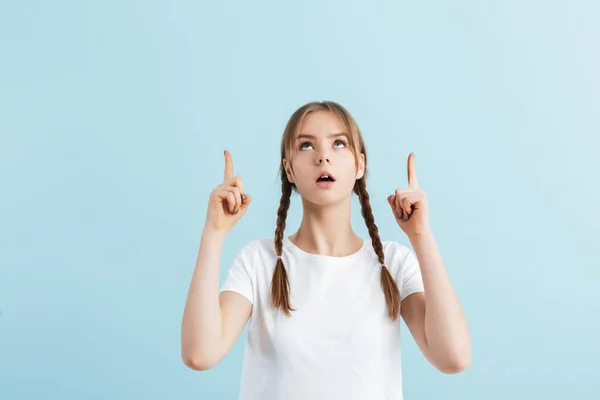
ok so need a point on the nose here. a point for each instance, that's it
(322, 156)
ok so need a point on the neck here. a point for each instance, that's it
(327, 230)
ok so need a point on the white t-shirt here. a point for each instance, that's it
(340, 343)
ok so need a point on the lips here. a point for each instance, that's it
(332, 179)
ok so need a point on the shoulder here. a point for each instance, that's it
(397, 256)
(395, 249)
(257, 256)
(261, 245)
(257, 244)
(259, 248)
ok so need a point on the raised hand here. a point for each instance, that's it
(227, 202)
(409, 205)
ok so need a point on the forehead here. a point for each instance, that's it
(320, 124)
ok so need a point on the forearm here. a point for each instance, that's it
(201, 324)
(446, 326)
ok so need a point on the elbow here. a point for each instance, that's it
(197, 363)
(455, 366)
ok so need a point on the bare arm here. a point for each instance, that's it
(202, 321)
(435, 317)
(212, 323)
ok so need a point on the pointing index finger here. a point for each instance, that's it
(228, 167)
(413, 182)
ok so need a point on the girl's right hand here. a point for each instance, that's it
(227, 202)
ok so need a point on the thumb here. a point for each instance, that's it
(391, 200)
(246, 199)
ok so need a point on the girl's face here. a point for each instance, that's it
(322, 145)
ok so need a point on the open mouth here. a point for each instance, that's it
(326, 177)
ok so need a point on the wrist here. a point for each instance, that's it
(213, 234)
(425, 234)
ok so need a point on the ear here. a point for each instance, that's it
(361, 166)
(288, 171)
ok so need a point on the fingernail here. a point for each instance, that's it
(244, 196)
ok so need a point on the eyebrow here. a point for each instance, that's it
(307, 136)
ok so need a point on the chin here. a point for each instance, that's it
(325, 197)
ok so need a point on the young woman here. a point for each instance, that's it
(323, 303)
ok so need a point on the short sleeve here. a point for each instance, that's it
(412, 280)
(239, 277)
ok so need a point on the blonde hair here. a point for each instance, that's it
(280, 288)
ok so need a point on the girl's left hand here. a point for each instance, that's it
(409, 205)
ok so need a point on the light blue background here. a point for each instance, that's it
(113, 120)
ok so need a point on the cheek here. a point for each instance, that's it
(299, 173)
(351, 166)
(304, 178)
